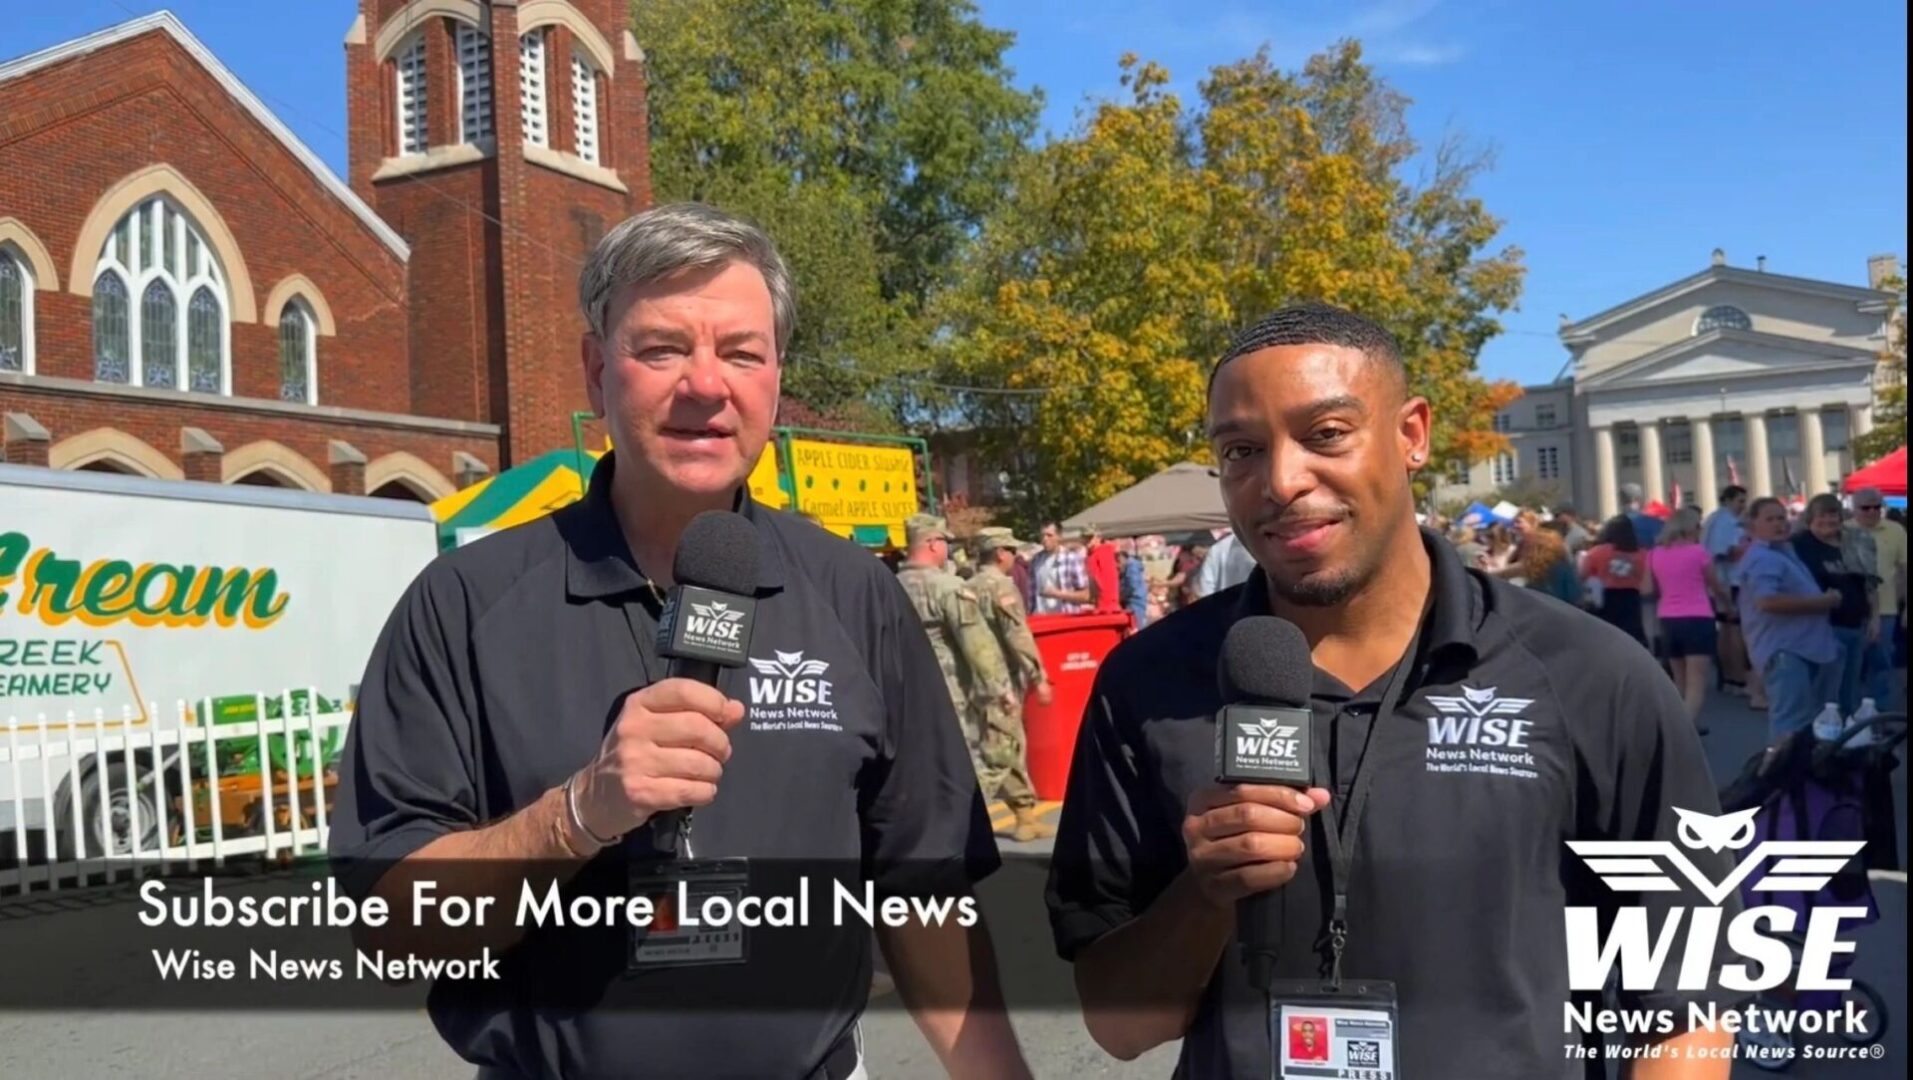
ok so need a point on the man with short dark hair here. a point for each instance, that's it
(1453, 876)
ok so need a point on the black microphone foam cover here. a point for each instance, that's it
(718, 551)
(1266, 660)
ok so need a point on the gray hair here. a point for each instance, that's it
(1683, 528)
(671, 239)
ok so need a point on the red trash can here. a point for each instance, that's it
(1073, 648)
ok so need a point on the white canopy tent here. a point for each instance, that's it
(1182, 498)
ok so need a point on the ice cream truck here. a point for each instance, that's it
(135, 613)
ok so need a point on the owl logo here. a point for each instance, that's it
(1645, 865)
(1715, 834)
(1479, 703)
(790, 665)
(717, 611)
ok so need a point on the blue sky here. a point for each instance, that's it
(1630, 138)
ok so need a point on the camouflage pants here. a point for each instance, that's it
(1001, 765)
(966, 718)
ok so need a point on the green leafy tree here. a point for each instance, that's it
(1134, 248)
(872, 138)
(1889, 385)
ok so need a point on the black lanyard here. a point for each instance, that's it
(1341, 856)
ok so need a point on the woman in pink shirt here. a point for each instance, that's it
(1689, 590)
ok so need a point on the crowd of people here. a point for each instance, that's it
(1076, 570)
(1791, 607)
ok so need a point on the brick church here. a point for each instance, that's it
(187, 291)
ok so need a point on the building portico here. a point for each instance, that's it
(1729, 376)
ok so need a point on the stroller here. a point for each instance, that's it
(1836, 790)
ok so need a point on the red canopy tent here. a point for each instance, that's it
(1888, 474)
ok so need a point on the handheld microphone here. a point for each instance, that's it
(706, 622)
(1263, 736)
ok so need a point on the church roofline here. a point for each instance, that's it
(168, 23)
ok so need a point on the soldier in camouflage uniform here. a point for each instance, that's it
(952, 616)
(1001, 749)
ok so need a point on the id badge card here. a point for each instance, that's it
(1323, 1034)
(693, 913)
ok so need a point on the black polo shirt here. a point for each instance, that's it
(497, 677)
(1461, 874)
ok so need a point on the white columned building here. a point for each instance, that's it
(1727, 376)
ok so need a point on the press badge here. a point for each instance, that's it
(1346, 1034)
(694, 913)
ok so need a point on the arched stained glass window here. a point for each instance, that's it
(159, 336)
(296, 366)
(204, 323)
(112, 336)
(16, 313)
(158, 254)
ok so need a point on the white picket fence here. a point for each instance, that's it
(152, 787)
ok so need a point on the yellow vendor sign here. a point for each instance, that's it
(852, 488)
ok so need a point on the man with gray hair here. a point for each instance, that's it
(1647, 528)
(518, 727)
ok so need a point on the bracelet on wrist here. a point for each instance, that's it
(577, 820)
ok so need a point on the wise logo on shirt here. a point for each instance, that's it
(1481, 731)
(790, 692)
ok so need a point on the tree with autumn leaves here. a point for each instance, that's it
(1079, 289)
(871, 138)
(1128, 253)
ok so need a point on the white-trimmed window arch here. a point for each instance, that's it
(472, 74)
(161, 314)
(16, 311)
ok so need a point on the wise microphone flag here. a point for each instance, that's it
(1262, 733)
(708, 615)
(706, 622)
(1263, 737)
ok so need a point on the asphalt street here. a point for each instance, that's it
(243, 1046)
